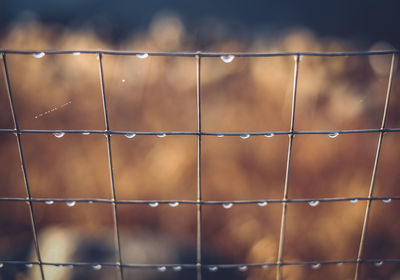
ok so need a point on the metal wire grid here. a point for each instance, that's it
(199, 202)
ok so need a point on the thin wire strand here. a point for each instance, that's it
(110, 162)
(23, 166)
(371, 190)
(199, 174)
(195, 133)
(201, 54)
(377, 262)
(286, 189)
(386, 199)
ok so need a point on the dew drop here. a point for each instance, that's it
(70, 266)
(177, 268)
(313, 203)
(59, 134)
(262, 203)
(220, 135)
(130, 135)
(174, 204)
(387, 200)
(29, 265)
(97, 266)
(71, 203)
(123, 80)
(76, 53)
(153, 204)
(269, 135)
(354, 200)
(213, 268)
(142, 55)
(161, 135)
(85, 133)
(380, 263)
(333, 135)
(227, 58)
(265, 266)
(316, 266)
(161, 268)
(38, 54)
(245, 136)
(49, 202)
(1, 265)
(339, 264)
(242, 268)
(227, 205)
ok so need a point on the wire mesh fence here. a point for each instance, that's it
(200, 267)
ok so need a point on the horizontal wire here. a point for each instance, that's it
(194, 266)
(265, 133)
(205, 202)
(200, 54)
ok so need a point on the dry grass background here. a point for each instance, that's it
(248, 94)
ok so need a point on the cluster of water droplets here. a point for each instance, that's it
(171, 204)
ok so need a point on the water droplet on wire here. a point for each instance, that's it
(242, 268)
(227, 58)
(161, 268)
(333, 135)
(97, 266)
(262, 203)
(49, 202)
(339, 264)
(38, 54)
(142, 55)
(315, 265)
(380, 263)
(174, 204)
(355, 200)
(76, 53)
(265, 266)
(227, 205)
(71, 203)
(130, 135)
(153, 204)
(86, 133)
(1, 265)
(269, 135)
(213, 268)
(245, 136)
(177, 268)
(59, 134)
(29, 265)
(162, 135)
(387, 200)
(313, 203)
(220, 135)
(123, 80)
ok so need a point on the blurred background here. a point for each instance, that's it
(159, 94)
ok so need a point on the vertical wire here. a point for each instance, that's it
(372, 185)
(110, 163)
(289, 157)
(23, 166)
(199, 186)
